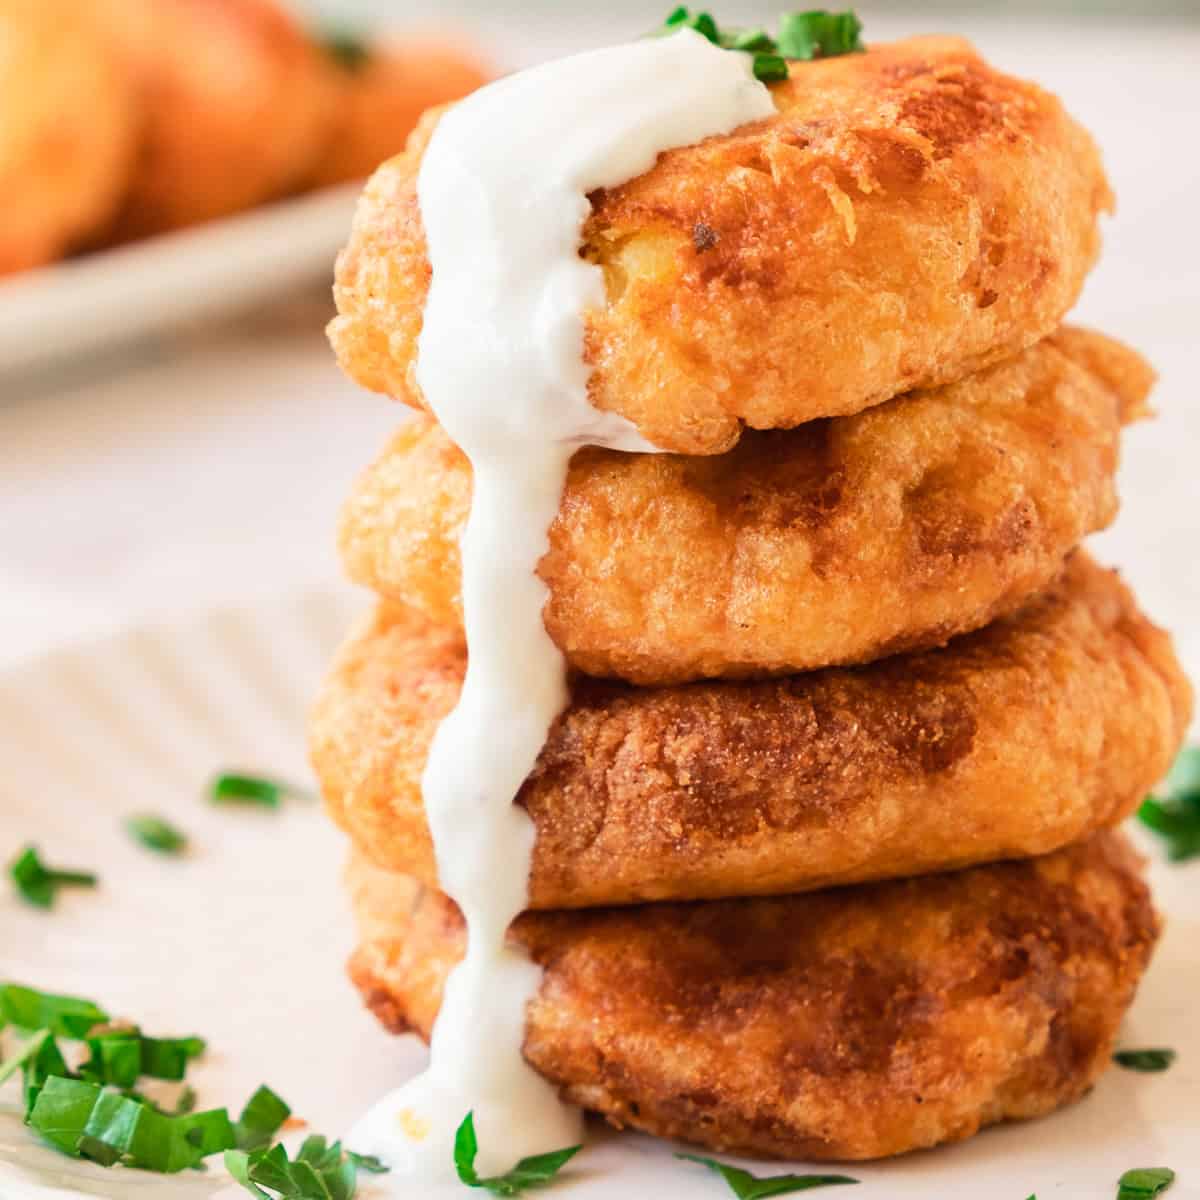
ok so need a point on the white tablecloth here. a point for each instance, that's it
(209, 468)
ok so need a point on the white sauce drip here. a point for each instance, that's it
(503, 191)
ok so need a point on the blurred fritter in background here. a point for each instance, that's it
(125, 118)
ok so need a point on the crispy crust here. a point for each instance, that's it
(908, 217)
(1011, 741)
(237, 103)
(867, 1021)
(67, 128)
(838, 542)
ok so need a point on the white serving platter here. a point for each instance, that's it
(110, 298)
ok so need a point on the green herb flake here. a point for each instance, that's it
(261, 1119)
(528, 1173)
(770, 68)
(348, 49)
(1174, 814)
(1150, 1060)
(121, 1057)
(38, 884)
(752, 41)
(87, 1120)
(802, 35)
(819, 34)
(156, 834)
(234, 787)
(1143, 1183)
(750, 1187)
(64, 1016)
(368, 1163)
(320, 1171)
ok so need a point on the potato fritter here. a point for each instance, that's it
(867, 1021)
(838, 542)
(67, 127)
(237, 104)
(1011, 741)
(908, 217)
(383, 97)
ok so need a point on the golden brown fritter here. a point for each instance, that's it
(909, 216)
(67, 127)
(383, 97)
(838, 542)
(237, 103)
(848, 1024)
(1011, 741)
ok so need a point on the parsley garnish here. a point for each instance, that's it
(368, 1163)
(39, 884)
(529, 1172)
(156, 834)
(261, 1119)
(1175, 814)
(97, 1114)
(819, 34)
(122, 1057)
(63, 1016)
(802, 35)
(750, 1187)
(1144, 1060)
(87, 1120)
(235, 787)
(1142, 1183)
(318, 1172)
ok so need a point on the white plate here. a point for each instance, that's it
(244, 940)
(117, 296)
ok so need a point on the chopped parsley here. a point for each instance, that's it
(88, 1120)
(751, 1187)
(96, 1112)
(1174, 814)
(819, 34)
(528, 1173)
(261, 1119)
(63, 1016)
(38, 884)
(368, 1163)
(1144, 1060)
(1143, 1183)
(123, 1056)
(156, 834)
(318, 1172)
(802, 35)
(236, 787)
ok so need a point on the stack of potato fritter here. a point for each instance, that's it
(839, 633)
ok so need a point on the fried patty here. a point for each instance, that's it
(67, 127)
(848, 1024)
(909, 216)
(838, 542)
(383, 96)
(1011, 741)
(237, 103)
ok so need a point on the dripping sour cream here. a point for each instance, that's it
(503, 193)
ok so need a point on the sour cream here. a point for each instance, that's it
(503, 192)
